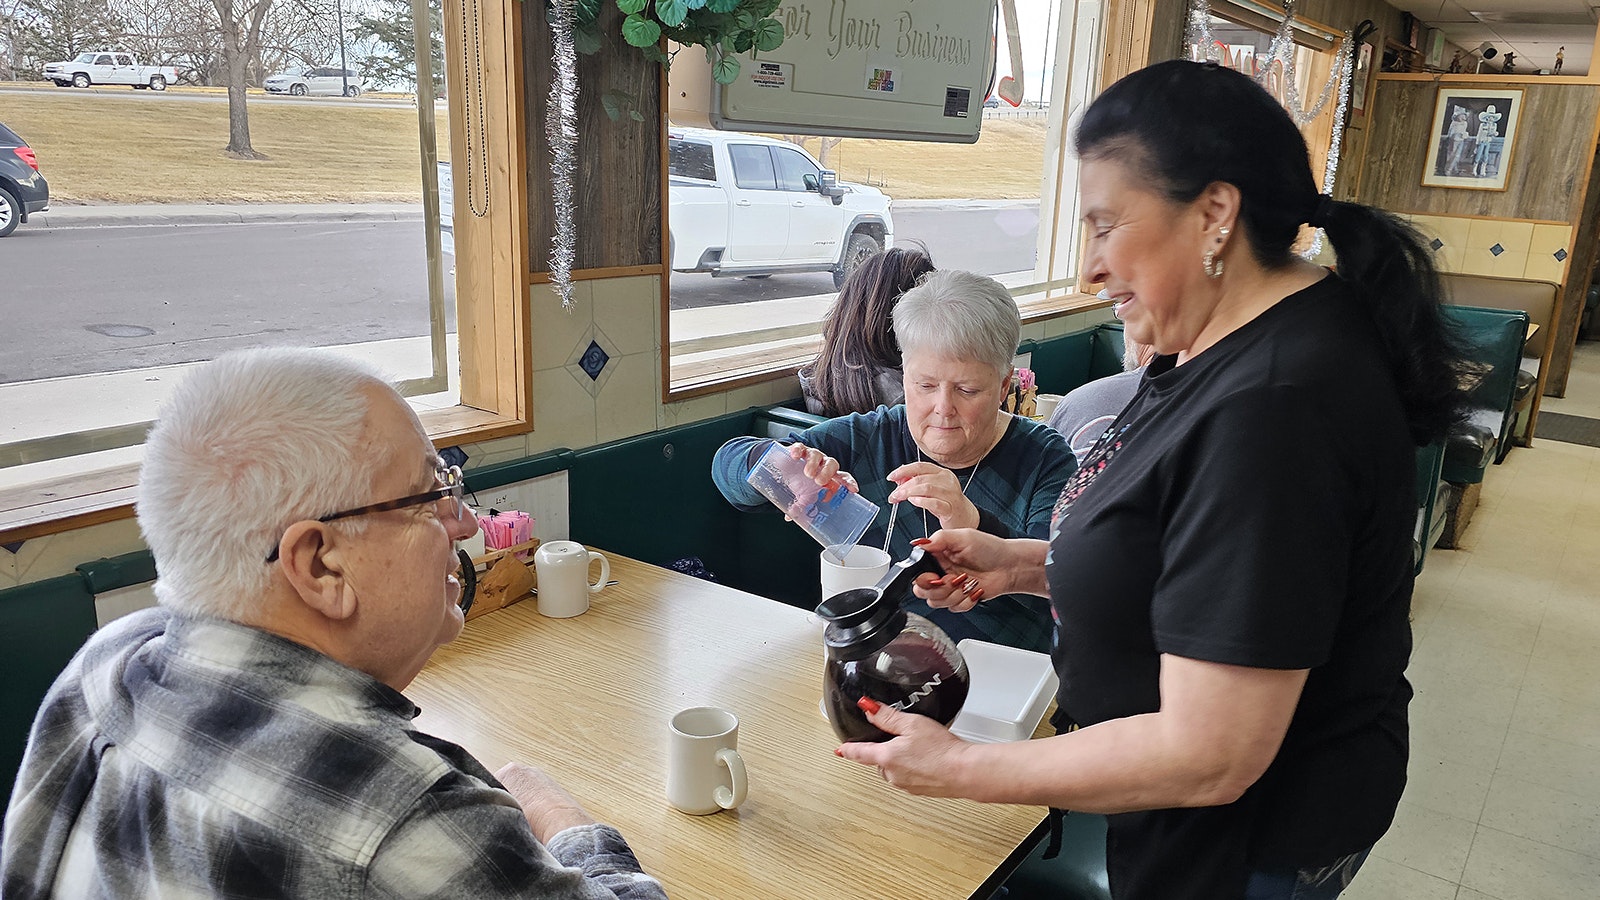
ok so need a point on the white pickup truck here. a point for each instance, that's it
(739, 204)
(109, 67)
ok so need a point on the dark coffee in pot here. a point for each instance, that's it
(876, 649)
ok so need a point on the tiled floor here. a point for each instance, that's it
(1504, 795)
(1583, 384)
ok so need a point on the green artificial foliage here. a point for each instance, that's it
(722, 28)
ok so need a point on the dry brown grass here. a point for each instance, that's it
(114, 149)
(1003, 164)
(109, 149)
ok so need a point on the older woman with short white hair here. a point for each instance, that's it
(949, 457)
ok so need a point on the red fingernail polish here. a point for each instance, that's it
(921, 542)
(937, 582)
(977, 594)
(869, 706)
(838, 752)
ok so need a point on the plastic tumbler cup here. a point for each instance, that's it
(837, 521)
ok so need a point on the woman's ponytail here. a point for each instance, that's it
(1393, 271)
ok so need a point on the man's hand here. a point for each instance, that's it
(547, 805)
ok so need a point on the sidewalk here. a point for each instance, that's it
(61, 215)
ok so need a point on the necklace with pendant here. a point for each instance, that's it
(970, 476)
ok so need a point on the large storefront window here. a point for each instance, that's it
(989, 207)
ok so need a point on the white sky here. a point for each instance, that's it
(1036, 26)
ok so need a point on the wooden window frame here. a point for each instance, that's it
(496, 379)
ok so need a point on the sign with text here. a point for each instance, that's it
(911, 69)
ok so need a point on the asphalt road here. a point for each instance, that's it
(80, 300)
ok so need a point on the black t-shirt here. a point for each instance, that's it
(1254, 507)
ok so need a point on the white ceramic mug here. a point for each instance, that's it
(705, 772)
(1044, 405)
(564, 586)
(861, 567)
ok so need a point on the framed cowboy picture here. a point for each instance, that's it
(1473, 135)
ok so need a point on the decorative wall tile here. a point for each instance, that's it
(1515, 236)
(765, 394)
(627, 309)
(563, 411)
(1477, 256)
(590, 360)
(1481, 235)
(682, 412)
(556, 332)
(627, 406)
(113, 605)
(1509, 264)
(498, 450)
(1545, 267)
(60, 554)
(1548, 252)
(1452, 234)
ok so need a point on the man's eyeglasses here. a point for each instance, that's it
(453, 488)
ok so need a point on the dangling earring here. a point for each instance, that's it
(1210, 262)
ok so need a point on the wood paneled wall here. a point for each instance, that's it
(619, 161)
(1549, 160)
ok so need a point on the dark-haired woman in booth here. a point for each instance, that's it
(858, 368)
(1230, 570)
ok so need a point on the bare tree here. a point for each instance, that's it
(9, 10)
(48, 30)
(241, 30)
(824, 148)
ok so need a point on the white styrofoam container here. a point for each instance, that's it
(1010, 690)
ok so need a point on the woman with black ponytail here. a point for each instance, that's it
(1231, 569)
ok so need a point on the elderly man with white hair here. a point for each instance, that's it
(248, 737)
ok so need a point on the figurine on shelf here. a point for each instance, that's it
(1561, 58)
(1455, 62)
(1510, 65)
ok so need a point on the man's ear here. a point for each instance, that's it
(311, 558)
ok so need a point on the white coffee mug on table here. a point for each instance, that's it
(563, 570)
(862, 567)
(705, 773)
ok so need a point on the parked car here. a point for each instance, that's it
(745, 205)
(323, 81)
(109, 67)
(992, 103)
(23, 190)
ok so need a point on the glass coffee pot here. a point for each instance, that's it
(876, 649)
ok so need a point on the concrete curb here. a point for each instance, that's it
(148, 214)
(157, 214)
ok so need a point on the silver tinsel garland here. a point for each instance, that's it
(1281, 51)
(1344, 69)
(561, 130)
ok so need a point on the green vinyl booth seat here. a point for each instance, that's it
(1493, 340)
(42, 624)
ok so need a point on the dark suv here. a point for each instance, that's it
(22, 189)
